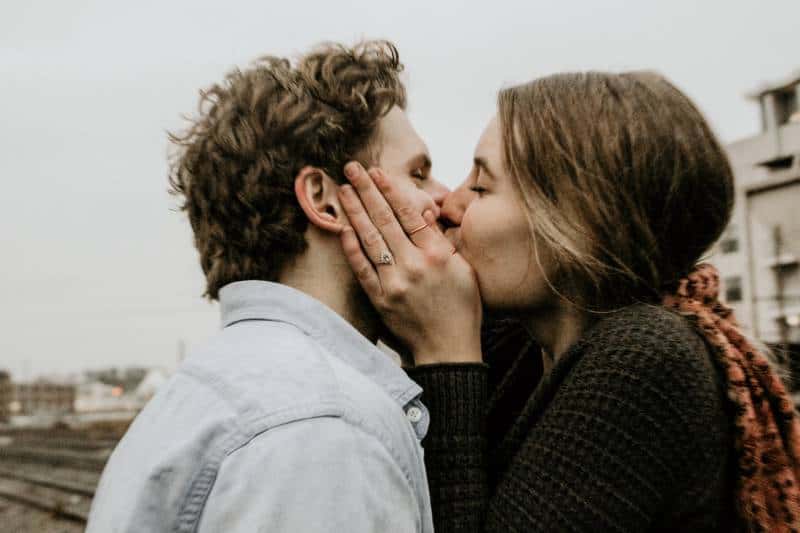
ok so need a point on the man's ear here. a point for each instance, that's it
(316, 194)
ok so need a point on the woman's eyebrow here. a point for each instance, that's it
(482, 163)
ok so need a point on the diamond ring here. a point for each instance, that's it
(385, 259)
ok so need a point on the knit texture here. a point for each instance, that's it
(628, 432)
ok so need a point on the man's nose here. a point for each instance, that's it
(455, 204)
(438, 193)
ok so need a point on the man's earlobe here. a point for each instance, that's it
(316, 193)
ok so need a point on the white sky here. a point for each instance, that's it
(98, 271)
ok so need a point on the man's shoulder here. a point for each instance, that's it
(312, 475)
(273, 374)
(246, 386)
(266, 374)
(261, 368)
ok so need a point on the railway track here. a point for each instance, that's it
(66, 500)
(94, 461)
(81, 489)
(54, 474)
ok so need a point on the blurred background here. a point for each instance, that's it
(101, 283)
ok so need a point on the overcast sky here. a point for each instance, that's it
(97, 270)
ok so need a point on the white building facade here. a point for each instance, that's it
(758, 254)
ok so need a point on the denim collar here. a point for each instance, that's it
(264, 300)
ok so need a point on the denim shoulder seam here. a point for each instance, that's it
(191, 509)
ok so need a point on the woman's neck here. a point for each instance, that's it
(556, 330)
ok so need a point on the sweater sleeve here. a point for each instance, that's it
(455, 446)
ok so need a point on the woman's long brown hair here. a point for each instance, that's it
(623, 181)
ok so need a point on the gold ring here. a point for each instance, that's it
(415, 230)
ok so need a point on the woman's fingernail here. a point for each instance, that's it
(378, 177)
(350, 169)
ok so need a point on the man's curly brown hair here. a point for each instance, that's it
(236, 163)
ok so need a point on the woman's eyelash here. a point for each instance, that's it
(477, 189)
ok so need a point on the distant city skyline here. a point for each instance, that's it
(99, 270)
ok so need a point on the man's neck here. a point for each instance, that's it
(332, 283)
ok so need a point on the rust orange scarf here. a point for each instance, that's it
(766, 429)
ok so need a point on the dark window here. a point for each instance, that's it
(733, 289)
(779, 163)
(786, 105)
(728, 246)
(729, 243)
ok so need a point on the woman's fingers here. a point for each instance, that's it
(361, 265)
(423, 233)
(374, 245)
(377, 209)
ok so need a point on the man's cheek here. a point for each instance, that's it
(418, 198)
(428, 203)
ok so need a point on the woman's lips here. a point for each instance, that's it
(454, 236)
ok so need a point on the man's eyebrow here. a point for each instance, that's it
(481, 162)
(422, 160)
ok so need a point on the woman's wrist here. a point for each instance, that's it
(455, 353)
(456, 396)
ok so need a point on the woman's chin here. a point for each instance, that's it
(454, 236)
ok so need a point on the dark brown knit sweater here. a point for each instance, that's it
(628, 432)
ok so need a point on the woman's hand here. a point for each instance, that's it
(426, 294)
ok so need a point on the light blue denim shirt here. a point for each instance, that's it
(288, 420)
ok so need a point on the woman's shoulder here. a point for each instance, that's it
(646, 326)
(652, 341)
(644, 384)
(653, 360)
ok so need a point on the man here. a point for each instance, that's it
(290, 419)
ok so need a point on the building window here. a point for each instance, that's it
(729, 243)
(786, 105)
(733, 289)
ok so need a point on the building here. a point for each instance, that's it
(758, 254)
(6, 394)
(43, 397)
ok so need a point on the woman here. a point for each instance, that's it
(591, 199)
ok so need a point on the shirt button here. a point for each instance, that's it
(414, 414)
